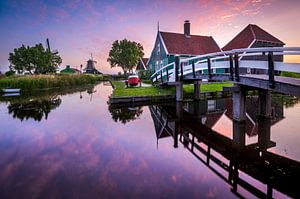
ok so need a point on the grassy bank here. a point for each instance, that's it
(290, 74)
(121, 91)
(47, 81)
(210, 87)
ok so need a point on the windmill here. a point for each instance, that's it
(48, 49)
(90, 66)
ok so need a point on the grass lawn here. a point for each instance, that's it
(121, 91)
(211, 87)
(290, 74)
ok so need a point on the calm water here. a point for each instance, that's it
(72, 145)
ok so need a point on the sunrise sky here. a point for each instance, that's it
(80, 27)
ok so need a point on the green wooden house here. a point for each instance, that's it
(168, 45)
(69, 70)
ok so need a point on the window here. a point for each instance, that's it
(158, 48)
(211, 105)
(185, 63)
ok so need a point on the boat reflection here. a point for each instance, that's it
(190, 124)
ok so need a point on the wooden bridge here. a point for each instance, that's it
(226, 157)
(202, 68)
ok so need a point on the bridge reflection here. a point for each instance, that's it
(192, 125)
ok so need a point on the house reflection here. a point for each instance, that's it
(34, 109)
(191, 124)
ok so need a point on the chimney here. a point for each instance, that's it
(187, 32)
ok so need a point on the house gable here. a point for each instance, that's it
(159, 54)
(249, 37)
(142, 64)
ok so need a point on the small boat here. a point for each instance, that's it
(133, 80)
(11, 90)
(10, 94)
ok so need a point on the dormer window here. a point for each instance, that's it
(158, 48)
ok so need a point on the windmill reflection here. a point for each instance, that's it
(192, 125)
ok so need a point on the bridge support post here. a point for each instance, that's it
(264, 103)
(238, 134)
(197, 90)
(239, 109)
(178, 129)
(179, 91)
(264, 133)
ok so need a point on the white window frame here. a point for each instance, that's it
(158, 49)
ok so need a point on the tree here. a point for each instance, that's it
(34, 59)
(125, 54)
(126, 114)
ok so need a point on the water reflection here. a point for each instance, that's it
(192, 125)
(35, 109)
(38, 105)
(125, 114)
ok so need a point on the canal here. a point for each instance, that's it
(72, 144)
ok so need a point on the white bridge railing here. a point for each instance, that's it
(230, 60)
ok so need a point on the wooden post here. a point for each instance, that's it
(176, 68)
(181, 72)
(271, 70)
(239, 108)
(231, 67)
(197, 90)
(264, 105)
(193, 68)
(161, 77)
(167, 74)
(209, 67)
(236, 67)
(179, 91)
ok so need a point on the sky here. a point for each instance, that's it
(80, 27)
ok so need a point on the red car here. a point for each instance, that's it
(133, 80)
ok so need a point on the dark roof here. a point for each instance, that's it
(142, 64)
(194, 45)
(145, 60)
(246, 36)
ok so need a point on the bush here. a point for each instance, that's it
(10, 73)
(145, 74)
(147, 81)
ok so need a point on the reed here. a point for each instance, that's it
(33, 82)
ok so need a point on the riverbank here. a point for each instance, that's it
(121, 94)
(121, 91)
(35, 82)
